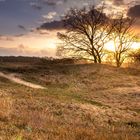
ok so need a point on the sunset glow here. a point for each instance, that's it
(110, 45)
(19, 27)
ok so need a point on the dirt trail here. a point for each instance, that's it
(13, 78)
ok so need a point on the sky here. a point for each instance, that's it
(29, 27)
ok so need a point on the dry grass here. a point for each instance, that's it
(80, 102)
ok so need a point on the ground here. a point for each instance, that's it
(77, 101)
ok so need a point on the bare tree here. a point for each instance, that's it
(86, 33)
(122, 36)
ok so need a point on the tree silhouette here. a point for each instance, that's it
(86, 33)
(122, 36)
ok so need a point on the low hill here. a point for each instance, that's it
(78, 102)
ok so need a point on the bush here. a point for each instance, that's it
(135, 56)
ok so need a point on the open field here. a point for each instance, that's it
(78, 101)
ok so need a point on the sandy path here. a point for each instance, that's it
(12, 77)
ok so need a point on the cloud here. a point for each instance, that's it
(22, 50)
(54, 2)
(50, 15)
(35, 5)
(6, 38)
(69, 3)
(13, 51)
(21, 27)
(134, 11)
(60, 2)
(41, 32)
(19, 35)
(54, 25)
(58, 24)
(50, 2)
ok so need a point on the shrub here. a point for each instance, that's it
(135, 56)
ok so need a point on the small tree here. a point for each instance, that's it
(122, 36)
(86, 33)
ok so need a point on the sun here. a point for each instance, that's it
(110, 46)
(135, 45)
